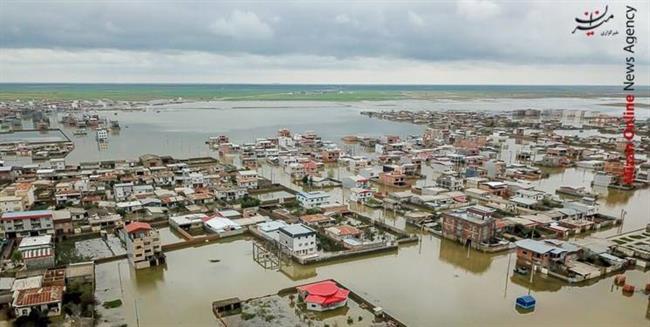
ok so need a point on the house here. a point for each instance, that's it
(370, 172)
(67, 197)
(223, 226)
(142, 245)
(62, 222)
(356, 181)
(27, 223)
(545, 253)
(271, 229)
(188, 222)
(129, 206)
(298, 239)
(122, 191)
(11, 203)
(37, 251)
(496, 188)
(604, 179)
(522, 202)
(314, 199)
(323, 296)
(57, 164)
(393, 179)
(230, 193)
(343, 231)
(450, 182)
(330, 155)
(150, 160)
(532, 194)
(471, 226)
(316, 219)
(295, 170)
(45, 299)
(247, 179)
(360, 195)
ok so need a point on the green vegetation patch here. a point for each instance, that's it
(112, 304)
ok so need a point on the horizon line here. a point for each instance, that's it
(315, 84)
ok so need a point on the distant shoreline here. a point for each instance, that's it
(288, 92)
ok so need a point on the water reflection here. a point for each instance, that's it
(457, 255)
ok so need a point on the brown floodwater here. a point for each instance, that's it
(434, 282)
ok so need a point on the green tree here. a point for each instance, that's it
(16, 257)
(248, 202)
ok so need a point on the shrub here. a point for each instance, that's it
(112, 304)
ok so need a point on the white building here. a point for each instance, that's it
(142, 245)
(299, 239)
(57, 163)
(223, 226)
(313, 199)
(37, 251)
(247, 179)
(603, 179)
(11, 203)
(27, 223)
(356, 181)
(122, 191)
(296, 170)
(360, 194)
(102, 134)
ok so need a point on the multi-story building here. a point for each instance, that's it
(472, 226)
(17, 197)
(360, 194)
(37, 251)
(313, 199)
(393, 179)
(247, 179)
(142, 245)
(122, 191)
(355, 181)
(450, 182)
(330, 155)
(27, 223)
(11, 203)
(545, 253)
(298, 238)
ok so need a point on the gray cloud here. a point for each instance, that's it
(332, 34)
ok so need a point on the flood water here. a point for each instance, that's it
(433, 282)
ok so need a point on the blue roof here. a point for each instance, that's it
(526, 300)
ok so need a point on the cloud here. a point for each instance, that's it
(100, 66)
(496, 34)
(415, 19)
(242, 25)
(478, 9)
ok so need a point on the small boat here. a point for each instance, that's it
(526, 302)
(215, 260)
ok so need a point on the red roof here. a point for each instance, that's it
(324, 293)
(36, 296)
(137, 226)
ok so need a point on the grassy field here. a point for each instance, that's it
(68, 92)
(278, 92)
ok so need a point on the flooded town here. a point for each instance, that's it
(324, 164)
(526, 208)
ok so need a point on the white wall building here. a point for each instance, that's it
(313, 199)
(299, 239)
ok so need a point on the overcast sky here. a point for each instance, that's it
(464, 42)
